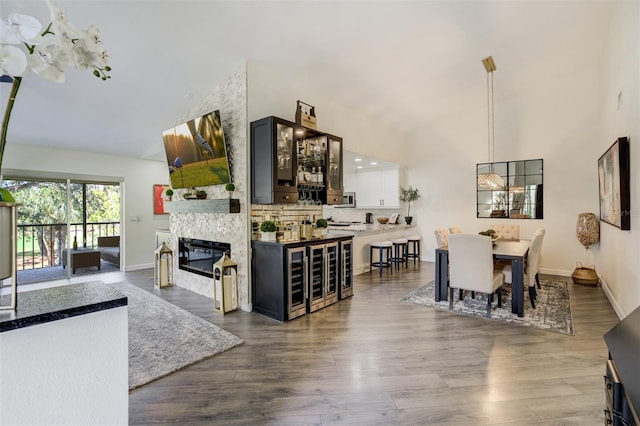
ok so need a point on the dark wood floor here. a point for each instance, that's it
(372, 360)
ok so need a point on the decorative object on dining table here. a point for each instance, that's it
(490, 180)
(169, 193)
(268, 231)
(306, 115)
(552, 313)
(24, 44)
(613, 184)
(409, 195)
(491, 234)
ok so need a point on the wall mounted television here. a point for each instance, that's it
(196, 152)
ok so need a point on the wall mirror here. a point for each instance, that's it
(520, 197)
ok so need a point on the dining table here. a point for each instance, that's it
(514, 251)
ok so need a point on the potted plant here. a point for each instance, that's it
(201, 195)
(409, 195)
(321, 227)
(268, 230)
(230, 187)
(169, 193)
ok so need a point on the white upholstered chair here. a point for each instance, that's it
(471, 268)
(507, 231)
(532, 266)
(442, 237)
(455, 230)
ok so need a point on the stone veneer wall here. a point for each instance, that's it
(231, 99)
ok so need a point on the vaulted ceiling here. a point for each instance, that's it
(406, 63)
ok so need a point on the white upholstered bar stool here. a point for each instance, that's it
(413, 248)
(384, 255)
(400, 249)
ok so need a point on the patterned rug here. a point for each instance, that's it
(164, 338)
(552, 313)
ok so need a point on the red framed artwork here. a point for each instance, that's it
(158, 199)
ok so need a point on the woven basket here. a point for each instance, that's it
(585, 276)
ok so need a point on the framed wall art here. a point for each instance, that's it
(158, 199)
(613, 182)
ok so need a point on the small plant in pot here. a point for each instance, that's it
(409, 195)
(321, 227)
(268, 230)
(169, 193)
(230, 187)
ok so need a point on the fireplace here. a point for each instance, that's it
(198, 256)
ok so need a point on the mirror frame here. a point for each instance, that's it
(520, 198)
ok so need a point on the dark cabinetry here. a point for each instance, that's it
(346, 277)
(290, 280)
(622, 373)
(291, 163)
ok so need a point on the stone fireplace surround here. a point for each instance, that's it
(231, 99)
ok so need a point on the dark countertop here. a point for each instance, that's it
(623, 341)
(56, 303)
(299, 243)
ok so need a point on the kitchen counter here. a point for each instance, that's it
(364, 234)
(289, 243)
(361, 229)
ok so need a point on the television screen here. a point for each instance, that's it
(196, 152)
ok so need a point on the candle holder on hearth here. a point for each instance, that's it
(225, 285)
(163, 270)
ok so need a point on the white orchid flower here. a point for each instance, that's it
(13, 61)
(60, 24)
(19, 29)
(50, 59)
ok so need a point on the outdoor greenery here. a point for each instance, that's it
(42, 214)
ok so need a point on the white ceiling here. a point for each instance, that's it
(406, 63)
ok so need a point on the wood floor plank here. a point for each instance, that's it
(373, 360)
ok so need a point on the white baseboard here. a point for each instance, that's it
(139, 267)
(559, 272)
(614, 303)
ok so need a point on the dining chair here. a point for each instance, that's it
(442, 236)
(455, 230)
(532, 266)
(507, 231)
(471, 268)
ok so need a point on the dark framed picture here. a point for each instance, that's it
(158, 199)
(613, 182)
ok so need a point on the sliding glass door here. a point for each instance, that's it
(61, 221)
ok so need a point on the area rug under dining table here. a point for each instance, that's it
(164, 338)
(552, 313)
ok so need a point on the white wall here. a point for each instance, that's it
(617, 255)
(556, 121)
(271, 94)
(65, 372)
(139, 178)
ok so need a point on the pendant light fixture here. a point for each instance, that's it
(490, 180)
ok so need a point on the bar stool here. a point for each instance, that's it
(384, 249)
(400, 250)
(414, 242)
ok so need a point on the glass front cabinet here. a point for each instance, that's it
(323, 275)
(294, 164)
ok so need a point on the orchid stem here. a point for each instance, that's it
(7, 115)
